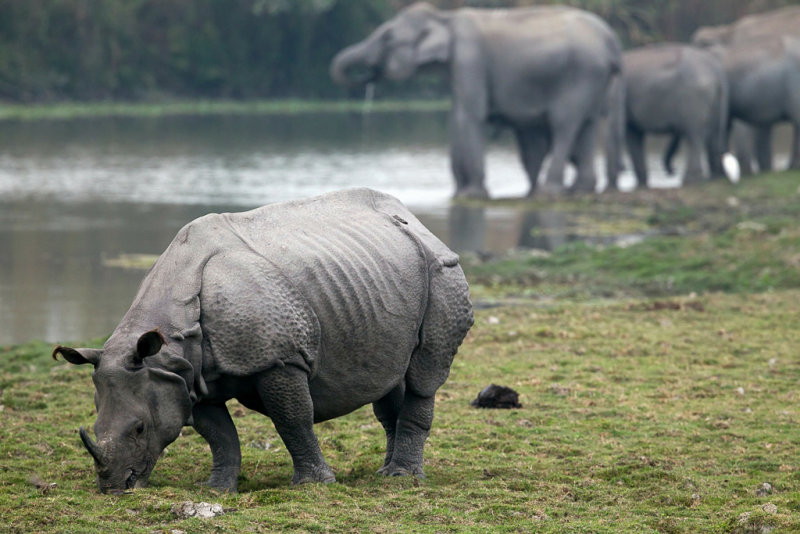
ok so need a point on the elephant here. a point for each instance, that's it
(746, 47)
(785, 20)
(546, 72)
(764, 78)
(681, 90)
(302, 311)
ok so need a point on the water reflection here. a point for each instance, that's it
(75, 193)
(467, 228)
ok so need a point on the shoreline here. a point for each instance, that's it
(76, 110)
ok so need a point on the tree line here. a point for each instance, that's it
(57, 50)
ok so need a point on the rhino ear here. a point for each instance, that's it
(149, 344)
(78, 356)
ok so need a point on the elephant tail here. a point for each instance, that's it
(669, 153)
(615, 128)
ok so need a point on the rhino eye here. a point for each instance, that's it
(139, 428)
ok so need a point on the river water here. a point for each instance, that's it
(76, 195)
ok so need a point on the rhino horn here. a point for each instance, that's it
(92, 447)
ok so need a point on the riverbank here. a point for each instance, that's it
(657, 377)
(74, 110)
(715, 237)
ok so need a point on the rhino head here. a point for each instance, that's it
(142, 402)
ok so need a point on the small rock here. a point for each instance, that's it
(769, 508)
(202, 510)
(558, 389)
(764, 489)
(494, 396)
(262, 445)
(773, 362)
(740, 390)
(493, 320)
(751, 226)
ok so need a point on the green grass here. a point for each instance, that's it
(716, 237)
(632, 421)
(662, 409)
(74, 110)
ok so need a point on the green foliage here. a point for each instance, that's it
(148, 49)
(99, 49)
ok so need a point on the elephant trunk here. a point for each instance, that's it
(363, 56)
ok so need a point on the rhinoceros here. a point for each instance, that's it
(303, 311)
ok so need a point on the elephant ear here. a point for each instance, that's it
(434, 46)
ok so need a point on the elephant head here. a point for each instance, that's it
(417, 36)
(140, 408)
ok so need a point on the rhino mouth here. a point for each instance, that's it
(131, 480)
(134, 479)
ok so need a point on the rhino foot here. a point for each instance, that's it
(222, 484)
(322, 474)
(392, 470)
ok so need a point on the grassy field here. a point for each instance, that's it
(659, 384)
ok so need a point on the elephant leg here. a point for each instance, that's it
(586, 179)
(387, 410)
(794, 163)
(634, 138)
(533, 146)
(743, 143)
(564, 128)
(764, 148)
(714, 153)
(669, 153)
(413, 426)
(694, 159)
(287, 401)
(214, 424)
(467, 154)
(794, 118)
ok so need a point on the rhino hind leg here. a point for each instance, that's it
(286, 400)
(411, 430)
(213, 422)
(407, 411)
(387, 410)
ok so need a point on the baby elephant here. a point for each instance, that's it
(302, 311)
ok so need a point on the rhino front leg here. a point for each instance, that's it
(287, 401)
(213, 422)
(413, 427)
